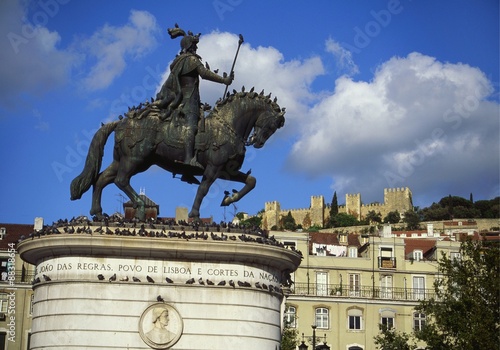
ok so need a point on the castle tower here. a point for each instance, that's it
(272, 212)
(353, 205)
(317, 210)
(399, 199)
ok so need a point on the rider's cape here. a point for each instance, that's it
(170, 93)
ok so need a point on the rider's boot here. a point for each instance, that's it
(190, 158)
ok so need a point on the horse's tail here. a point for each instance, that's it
(82, 182)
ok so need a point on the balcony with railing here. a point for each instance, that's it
(386, 262)
(364, 292)
(20, 277)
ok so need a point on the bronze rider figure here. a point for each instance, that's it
(182, 89)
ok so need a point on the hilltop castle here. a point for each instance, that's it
(318, 213)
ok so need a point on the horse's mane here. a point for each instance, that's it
(235, 95)
(147, 106)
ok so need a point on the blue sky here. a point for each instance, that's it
(379, 94)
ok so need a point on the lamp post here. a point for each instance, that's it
(303, 346)
(314, 336)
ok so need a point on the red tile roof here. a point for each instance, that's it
(425, 245)
(14, 233)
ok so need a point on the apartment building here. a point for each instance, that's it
(16, 293)
(348, 284)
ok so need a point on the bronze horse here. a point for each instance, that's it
(144, 139)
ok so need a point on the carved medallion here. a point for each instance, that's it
(160, 326)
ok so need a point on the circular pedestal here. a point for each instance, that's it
(95, 292)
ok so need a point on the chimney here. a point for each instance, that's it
(430, 230)
(38, 224)
(387, 231)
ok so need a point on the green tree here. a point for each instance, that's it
(289, 339)
(372, 216)
(488, 208)
(334, 208)
(465, 312)
(412, 220)
(288, 222)
(344, 220)
(254, 221)
(392, 217)
(390, 339)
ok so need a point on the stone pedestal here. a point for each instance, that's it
(112, 292)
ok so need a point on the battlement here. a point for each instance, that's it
(399, 199)
(397, 189)
(371, 205)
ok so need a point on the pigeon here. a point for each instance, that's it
(135, 279)
(190, 281)
(200, 281)
(257, 284)
(37, 280)
(46, 278)
(168, 280)
(112, 278)
(100, 277)
(221, 283)
(210, 283)
(159, 298)
(231, 283)
(150, 280)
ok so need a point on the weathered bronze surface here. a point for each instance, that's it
(172, 133)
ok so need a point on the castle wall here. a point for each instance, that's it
(318, 213)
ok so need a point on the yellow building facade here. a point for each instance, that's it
(16, 293)
(348, 284)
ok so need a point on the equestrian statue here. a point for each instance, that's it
(172, 131)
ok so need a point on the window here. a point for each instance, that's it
(355, 317)
(321, 314)
(3, 269)
(418, 255)
(354, 285)
(31, 303)
(343, 238)
(386, 287)
(387, 317)
(321, 283)
(4, 300)
(455, 256)
(353, 252)
(386, 259)
(3, 338)
(418, 287)
(320, 251)
(418, 321)
(291, 316)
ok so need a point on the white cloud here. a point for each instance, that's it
(32, 62)
(344, 58)
(418, 121)
(111, 46)
(262, 68)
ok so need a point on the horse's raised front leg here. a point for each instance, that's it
(126, 169)
(209, 177)
(104, 179)
(249, 182)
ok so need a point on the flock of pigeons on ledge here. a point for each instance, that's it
(166, 228)
(231, 283)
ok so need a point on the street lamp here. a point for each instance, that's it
(303, 346)
(314, 336)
